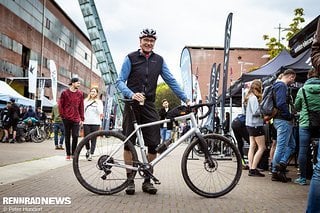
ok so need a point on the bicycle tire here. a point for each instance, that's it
(219, 179)
(93, 175)
(38, 138)
(231, 138)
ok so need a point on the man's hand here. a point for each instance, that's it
(138, 96)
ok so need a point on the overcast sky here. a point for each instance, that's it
(181, 23)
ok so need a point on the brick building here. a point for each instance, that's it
(241, 60)
(40, 30)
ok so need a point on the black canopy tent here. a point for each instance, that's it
(301, 65)
(267, 71)
(302, 41)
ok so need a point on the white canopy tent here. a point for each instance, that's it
(7, 92)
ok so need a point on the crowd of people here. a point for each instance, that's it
(304, 112)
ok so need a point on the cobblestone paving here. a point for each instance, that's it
(252, 194)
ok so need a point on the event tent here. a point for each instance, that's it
(8, 92)
(268, 69)
(269, 72)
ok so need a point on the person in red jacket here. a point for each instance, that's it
(72, 113)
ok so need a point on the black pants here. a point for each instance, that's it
(87, 129)
(240, 133)
(71, 128)
(144, 114)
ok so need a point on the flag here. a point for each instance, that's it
(54, 80)
(186, 73)
(227, 39)
(41, 87)
(32, 76)
(212, 83)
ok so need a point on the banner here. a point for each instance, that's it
(227, 39)
(196, 89)
(186, 73)
(42, 83)
(54, 80)
(211, 97)
(32, 76)
(217, 81)
(215, 97)
(212, 83)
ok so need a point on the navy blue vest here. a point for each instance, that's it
(144, 73)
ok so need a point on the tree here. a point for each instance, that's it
(274, 45)
(164, 92)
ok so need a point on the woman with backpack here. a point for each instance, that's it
(254, 124)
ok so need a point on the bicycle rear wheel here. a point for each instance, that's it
(95, 175)
(212, 180)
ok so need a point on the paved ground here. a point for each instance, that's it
(55, 178)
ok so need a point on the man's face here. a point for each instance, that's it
(291, 79)
(147, 44)
(165, 104)
(76, 85)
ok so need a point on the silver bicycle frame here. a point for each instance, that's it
(140, 141)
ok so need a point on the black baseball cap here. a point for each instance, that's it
(73, 80)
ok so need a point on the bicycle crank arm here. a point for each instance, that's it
(155, 180)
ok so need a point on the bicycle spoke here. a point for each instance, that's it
(96, 175)
(212, 180)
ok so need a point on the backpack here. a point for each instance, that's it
(268, 104)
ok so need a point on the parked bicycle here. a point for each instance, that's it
(31, 132)
(204, 130)
(212, 175)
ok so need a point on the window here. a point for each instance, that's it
(48, 23)
(45, 62)
(86, 56)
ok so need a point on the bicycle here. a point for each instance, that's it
(213, 175)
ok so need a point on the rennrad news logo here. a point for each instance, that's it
(36, 200)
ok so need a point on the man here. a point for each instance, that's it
(165, 129)
(283, 124)
(41, 115)
(314, 192)
(72, 113)
(14, 119)
(6, 121)
(138, 81)
(241, 134)
(57, 127)
(216, 122)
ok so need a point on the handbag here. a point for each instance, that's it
(314, 115)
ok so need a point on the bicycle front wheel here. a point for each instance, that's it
(212, 180)
(106, 172)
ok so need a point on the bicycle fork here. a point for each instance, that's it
(204, 148)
